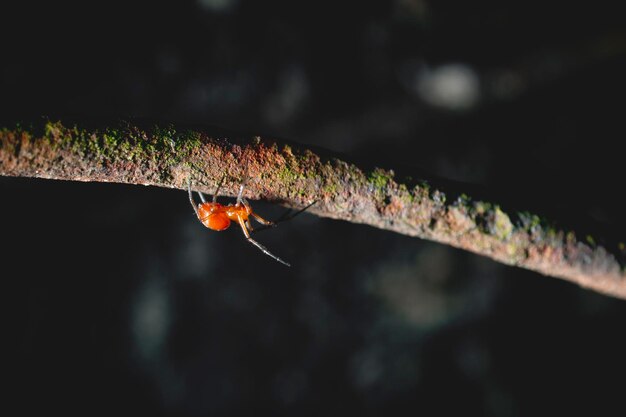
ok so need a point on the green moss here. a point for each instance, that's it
(124, 148)
(288, 175)
(488, 217)
(58, 135)
(330, 188)
(187, 140)
(502, 226)
(424, 186)
(126, 142)
(380, 178)
(161, 142)
(92, 145)
(51, 129)
(164, 133)
(553, 235)
(110, 140)
(463, 201)
(405, 195)
(483, 207)
(529, 221)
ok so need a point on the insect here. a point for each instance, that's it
(218, 217)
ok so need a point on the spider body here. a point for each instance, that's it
(216, 216)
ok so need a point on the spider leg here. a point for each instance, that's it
(287, 215)
(262, 220)
(193, 203)
(201, 196)
(219, 185)
(290, 213)
(263, 249)
(239, 196)
(256, 217)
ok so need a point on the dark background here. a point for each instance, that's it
(118, 300)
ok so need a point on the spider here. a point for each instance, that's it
(218, 217)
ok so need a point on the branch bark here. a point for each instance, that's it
(279, 171)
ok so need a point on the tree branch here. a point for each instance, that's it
(283, 172)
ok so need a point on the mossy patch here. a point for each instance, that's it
(502, 227)
(528, 221)
(330, 188)
(463, 201)
(380, 178)
(482, 208)
(488, 217)
(289, 175)
(405, 194)
(126, 142)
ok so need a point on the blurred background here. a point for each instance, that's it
(118, 300)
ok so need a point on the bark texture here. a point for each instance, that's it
(166, 155)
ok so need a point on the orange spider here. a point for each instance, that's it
(217, 217)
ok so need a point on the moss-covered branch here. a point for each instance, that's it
(166, 155)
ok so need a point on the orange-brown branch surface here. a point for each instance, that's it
(166, 155)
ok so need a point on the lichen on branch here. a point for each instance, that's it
(167, 155)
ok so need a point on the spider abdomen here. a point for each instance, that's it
(217, 222)
(213, 216)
